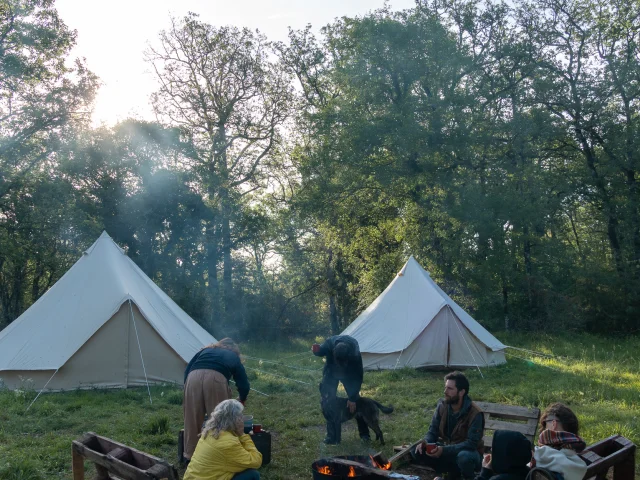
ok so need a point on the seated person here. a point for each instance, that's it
(510, 455)
(224, 451)
(559, 443)
(459, 424)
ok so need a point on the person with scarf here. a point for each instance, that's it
(559, 443)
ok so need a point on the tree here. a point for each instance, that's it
(222, 89)
(40, 96)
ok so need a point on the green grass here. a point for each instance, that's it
(598, 378)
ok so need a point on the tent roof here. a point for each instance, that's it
(405, 308)
(85, 298)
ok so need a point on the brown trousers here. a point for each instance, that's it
(203, 390)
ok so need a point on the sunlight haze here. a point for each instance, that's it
(112, 36)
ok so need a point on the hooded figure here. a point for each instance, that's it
(510, 454)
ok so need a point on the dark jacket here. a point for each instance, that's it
(224, 361)
(459, 431)
(510, 454)
(351, 373)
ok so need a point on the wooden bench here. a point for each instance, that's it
(113, 459)
(508, 417)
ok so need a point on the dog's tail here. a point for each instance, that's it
(384, 409)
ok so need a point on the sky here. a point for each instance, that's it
(113, 36)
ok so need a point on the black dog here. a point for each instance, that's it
(366, 409)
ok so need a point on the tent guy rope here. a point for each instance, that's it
(140, 350)
(281, 376)
(45, 386)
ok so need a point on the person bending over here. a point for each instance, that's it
(206, 384)
(224, 451)
(457, 426)
(343, 364)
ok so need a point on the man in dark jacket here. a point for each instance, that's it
(457, 426)
(510, 454)
(343, 364)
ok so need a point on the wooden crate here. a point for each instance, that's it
(117, 459)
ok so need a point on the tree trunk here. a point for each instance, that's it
(505, 305)
(225, 208)
(609, 209)
(212, 273)
(333, 315)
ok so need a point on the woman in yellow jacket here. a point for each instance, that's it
(224, 451)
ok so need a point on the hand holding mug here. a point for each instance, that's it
(315, 348)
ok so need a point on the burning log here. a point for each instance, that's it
(403, 455)
(380, 460)
(339, 468)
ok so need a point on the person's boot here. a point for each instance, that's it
(332, 437)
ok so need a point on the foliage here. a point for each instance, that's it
(289, 182)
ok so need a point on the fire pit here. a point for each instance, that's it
(352, 466)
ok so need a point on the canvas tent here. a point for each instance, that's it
(103, 324)
(413, 323)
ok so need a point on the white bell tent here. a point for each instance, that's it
(103, 324)
(413, 323)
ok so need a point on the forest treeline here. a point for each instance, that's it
(284, 184)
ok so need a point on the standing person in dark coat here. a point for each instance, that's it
(343, 364)
(206, 384)
(458, 427)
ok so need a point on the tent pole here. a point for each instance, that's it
(466, 343)
(140, 349)
(45, 386)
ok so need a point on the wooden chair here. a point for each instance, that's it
(113, 459)
(615, 452)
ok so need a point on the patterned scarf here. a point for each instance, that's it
(558, 440)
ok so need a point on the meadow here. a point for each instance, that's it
(598, 378)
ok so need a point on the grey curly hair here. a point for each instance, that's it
(223, 418)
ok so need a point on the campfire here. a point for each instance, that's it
(363, 467)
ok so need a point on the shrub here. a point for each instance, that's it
(157, 425)
(175, 398)
(22, 469)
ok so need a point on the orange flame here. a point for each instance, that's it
(324, 470)
(386, 466)
(352, 472)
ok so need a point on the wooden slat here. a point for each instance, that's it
(159, 471)
(509, 411)
(77, 465)
(401, 456)
(525, 429)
